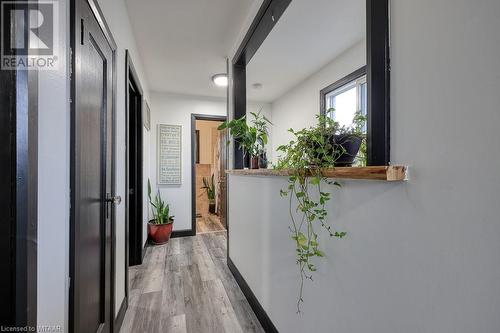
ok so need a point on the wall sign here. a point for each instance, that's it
(169, 154)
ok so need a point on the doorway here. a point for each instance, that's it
(92, 172)
(208, 163)
(134, 97)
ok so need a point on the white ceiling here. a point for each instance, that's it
(184, 42)
(308, 36)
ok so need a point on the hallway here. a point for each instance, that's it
(186, 286)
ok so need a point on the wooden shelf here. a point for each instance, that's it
(391, 173)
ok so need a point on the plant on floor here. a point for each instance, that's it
(251, 139)
(305, 156)
(209, 187)
(161, 210)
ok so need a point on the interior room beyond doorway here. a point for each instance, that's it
(210, 145)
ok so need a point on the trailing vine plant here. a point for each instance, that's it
(312, 150)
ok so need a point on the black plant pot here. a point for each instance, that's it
(254, 162)
(211, 208)
(350, 144)
(246, 160)
(263, 161)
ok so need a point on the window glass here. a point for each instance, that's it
(344, 101)
(347, 100)
(363, 98)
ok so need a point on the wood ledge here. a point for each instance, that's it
(390, 173)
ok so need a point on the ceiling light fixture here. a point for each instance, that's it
(220, 80)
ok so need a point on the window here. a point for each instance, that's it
(347, 96)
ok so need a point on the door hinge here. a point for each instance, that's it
(82, 31)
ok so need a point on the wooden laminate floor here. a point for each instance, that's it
(208, 223)
(185, 286)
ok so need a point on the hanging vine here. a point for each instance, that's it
(311, 150)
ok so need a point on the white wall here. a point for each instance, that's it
(298, 107)
(176, 110)
(53, 184)
(420, 256)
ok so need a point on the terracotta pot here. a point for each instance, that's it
(211, 208)
(159, 233)
(254, 162)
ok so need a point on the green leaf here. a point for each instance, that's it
(315, 181)
(222, 126)
(302, 239)
(149, 190)
(340, 234)
(319, 253)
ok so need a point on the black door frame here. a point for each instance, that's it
(194, 118)
(377, 72)
(132, 79)
(18, 194)
(74, 37)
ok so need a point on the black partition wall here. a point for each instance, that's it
(378, 77)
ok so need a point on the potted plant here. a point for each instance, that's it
(260, 122)
(160, 227)
(209, 187)
(346, 141)
(251, 139)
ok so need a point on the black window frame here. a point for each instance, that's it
(377, 73)
(337, 85)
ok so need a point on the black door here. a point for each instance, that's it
(135, 159)
(91, 224)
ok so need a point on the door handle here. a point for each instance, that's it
(111, 200)
(114, 199)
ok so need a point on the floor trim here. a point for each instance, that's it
(182, 233)
(121, 315)
(261, 314)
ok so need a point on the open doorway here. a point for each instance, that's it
(209, 161)
(134, 165)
